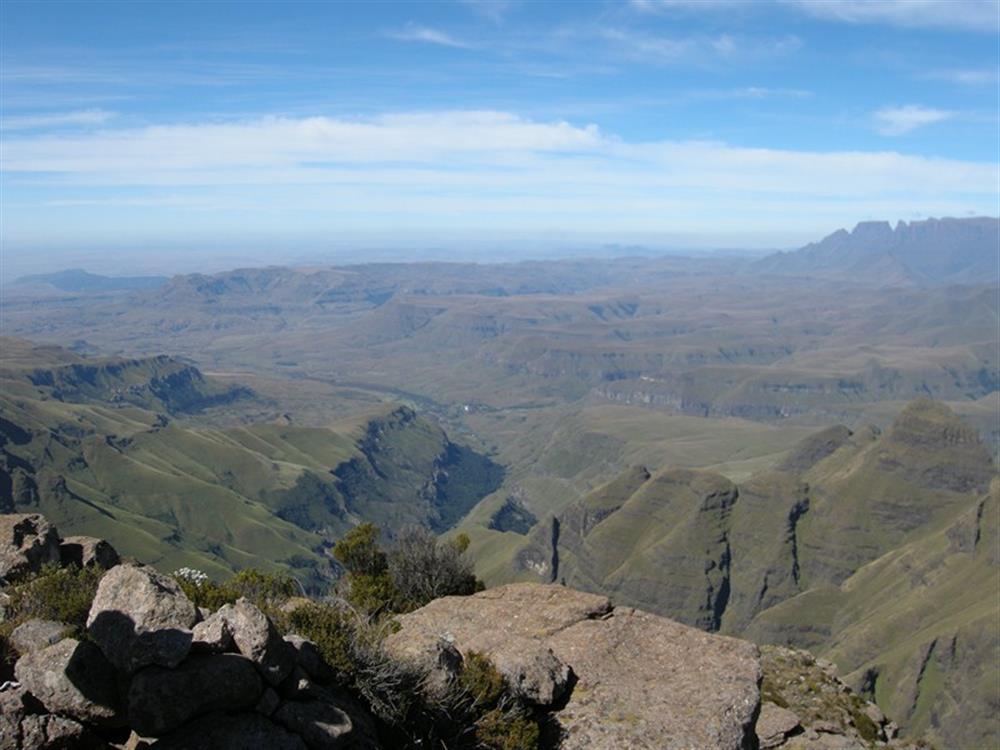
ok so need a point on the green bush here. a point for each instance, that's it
(481, 680)
(332, 629)
(54, 593)
(267, 591)
(499, 730)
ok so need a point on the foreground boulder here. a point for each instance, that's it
(23, 729)
(27, 542)
(35, 635)
(640, 680)
(221, 732)
(161, 700)
(256, 638)
(72, 678)
(140, 617)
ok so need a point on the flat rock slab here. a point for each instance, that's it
(642, 681)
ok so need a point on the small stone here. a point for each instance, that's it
(774, 724)
(213, 634)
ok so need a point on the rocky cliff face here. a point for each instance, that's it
(860, 545)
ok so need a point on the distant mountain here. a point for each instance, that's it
(78, 280)
(875, 548)
(935, 251)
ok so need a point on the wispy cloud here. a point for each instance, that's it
(473, 170)
(902, 120)
(966, 77)
(416, 33)
(750, 92)
(642, 46)
(968, 15)
(61, 119)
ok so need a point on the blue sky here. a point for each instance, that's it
(150, 126)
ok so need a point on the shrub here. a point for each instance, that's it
(423, 569)
(369, 584)
(332, 629)
(481, 680)
(54, 593)
(268, 591)
(506, 730)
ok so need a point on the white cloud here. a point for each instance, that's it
(969, 15)
(966, 77)
(414, 33)
(479, 151)
(705, 49)
(60, 119)
(902, 120)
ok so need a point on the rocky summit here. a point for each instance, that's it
(615, 677)
(152, 670)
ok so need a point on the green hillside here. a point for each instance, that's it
(878, 549)
(271, 496)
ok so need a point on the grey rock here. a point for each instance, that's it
(642, 681)
(241, 732)
(87, 552)
(533, 671)
(140, 617)
(33, 635)
(268, 703)
(321, 725)
(161, 700)
(258, 640)
(21, 728)
(74, 679)
(46, 732)
(874, 713)
(214, 634)
(308, 656)
(27, 542)
(774, 724)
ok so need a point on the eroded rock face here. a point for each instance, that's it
(72, 678)
(161, 700)
(638, 680)
(27, 542)
(140, 617)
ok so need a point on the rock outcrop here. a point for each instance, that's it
(632, 679)
(27, 542)
(149, 668)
